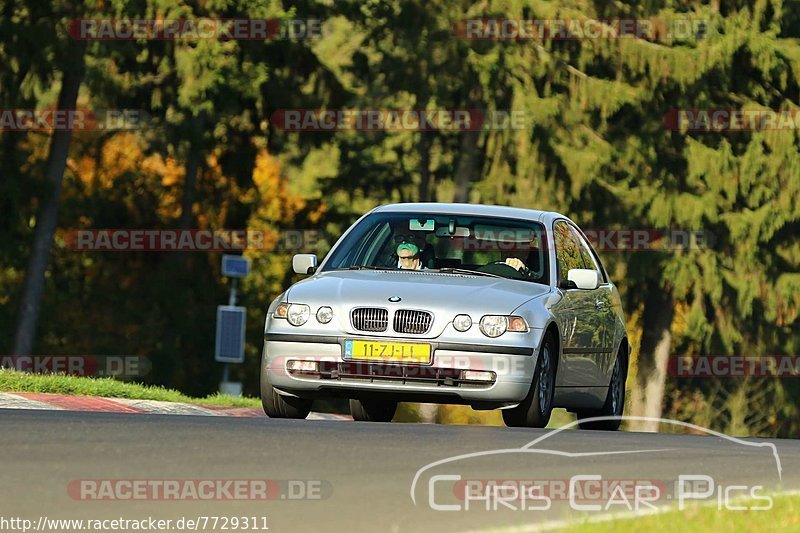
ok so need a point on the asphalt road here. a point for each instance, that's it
(359, 475)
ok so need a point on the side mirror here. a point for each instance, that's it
(584, 278)
(304, 263)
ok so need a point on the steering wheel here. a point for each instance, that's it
(501, 268)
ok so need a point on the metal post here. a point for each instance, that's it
(232, 299)
(230, 336)
(231, 302)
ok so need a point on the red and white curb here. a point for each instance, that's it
(57, 402)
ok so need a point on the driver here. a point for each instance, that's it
(511, 259)
(408, 256)
(517, 257)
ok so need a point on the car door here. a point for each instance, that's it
(599, 305)
(576, 315)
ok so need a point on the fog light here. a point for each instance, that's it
(462, 322)
(477, 375)
(324, 314)
(302, 366)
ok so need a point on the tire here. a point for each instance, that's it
(277, 406)
(534, 411)
(615, 399)
(373, 410)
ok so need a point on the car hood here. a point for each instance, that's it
(445, 295)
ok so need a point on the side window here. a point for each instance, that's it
(378, 247)
(568, 250)
(589, 259)
(586, 254)
(537, 257)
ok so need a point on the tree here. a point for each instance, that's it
(73, 68)
(597, 148)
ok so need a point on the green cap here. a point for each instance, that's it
(408, 246)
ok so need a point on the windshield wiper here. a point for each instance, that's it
(445, 270)
(452, 270)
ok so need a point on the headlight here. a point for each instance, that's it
(462, 322)
(494, 325)
(324, 314)
(298, 314)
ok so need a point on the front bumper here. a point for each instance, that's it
(441, 381)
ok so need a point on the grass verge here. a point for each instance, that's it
(13, 381)
(784, 516)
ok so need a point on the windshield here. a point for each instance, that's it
(489, 246)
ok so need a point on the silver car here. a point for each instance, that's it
(493, 307)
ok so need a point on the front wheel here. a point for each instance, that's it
(372, 410)
(615, 400)
(534, 411)
(278, 406)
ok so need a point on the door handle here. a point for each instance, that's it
(599, 304)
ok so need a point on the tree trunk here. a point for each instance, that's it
(648, 393)
(467, 166)
(424, 148)
(428, 413)
(193, 158)
(31, 301)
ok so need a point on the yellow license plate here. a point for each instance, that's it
(401, 352)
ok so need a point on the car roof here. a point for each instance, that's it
(470, 210)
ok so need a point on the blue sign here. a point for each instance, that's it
(229, 346)
(235, 266)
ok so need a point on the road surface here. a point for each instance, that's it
(347, 476)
